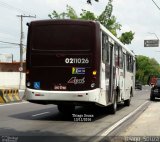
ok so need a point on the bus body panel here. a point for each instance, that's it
(70, 96)
(63, 65)
(129, 85)
(52, 78)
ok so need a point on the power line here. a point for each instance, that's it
(156, 4)
(10, 7)
(6, 42)
(10, 43)
(5, 47)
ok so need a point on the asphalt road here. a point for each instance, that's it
(31, 122)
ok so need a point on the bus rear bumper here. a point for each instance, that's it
(55, 97)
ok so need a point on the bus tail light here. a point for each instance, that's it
(94, 73)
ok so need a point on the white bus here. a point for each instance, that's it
(76, 62)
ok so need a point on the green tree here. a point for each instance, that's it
(105, 18)
(145, 67)
(55, 15)
(106, 14)
(87, 15)
(108, 20)
(127, 37)
(69, 14)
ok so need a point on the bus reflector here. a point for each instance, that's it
(28, 84)
(80, 95)
(39, 95)
(94, 72)
(27, 72)
(93, 85)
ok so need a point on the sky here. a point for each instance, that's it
(139, 16)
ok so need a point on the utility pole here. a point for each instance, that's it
(154, 34)
(21, 45)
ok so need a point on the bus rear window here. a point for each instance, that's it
(62, 37)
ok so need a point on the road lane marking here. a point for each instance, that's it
(2, 105)
(40, 114)
(122, 120)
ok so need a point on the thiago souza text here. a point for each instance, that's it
(82, 117)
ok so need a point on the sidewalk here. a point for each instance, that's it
(147, 124)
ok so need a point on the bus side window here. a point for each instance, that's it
(127, 61)
(120, 57)
(108, 52)
(116, 55)
(130, 63)
(133, 65)
(105, 49)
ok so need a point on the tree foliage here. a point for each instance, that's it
(69, 14)
(127, 37)
(108, 20)
(105, 18)
(113, 26)
(87, 15)
(145, 67)
(106, 14)
(55, 15)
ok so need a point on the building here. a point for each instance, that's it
(11, 67)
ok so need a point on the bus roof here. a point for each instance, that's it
(63, 21)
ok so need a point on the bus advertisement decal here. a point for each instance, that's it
(78, 70)
(75, 80)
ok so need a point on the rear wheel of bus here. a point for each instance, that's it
(66, 109)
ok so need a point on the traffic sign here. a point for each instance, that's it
(151, 43)
(20, 68)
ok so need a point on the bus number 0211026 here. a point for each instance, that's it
(76, 60)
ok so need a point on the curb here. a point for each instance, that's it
(108, 135)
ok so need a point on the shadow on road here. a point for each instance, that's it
(52, 114)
